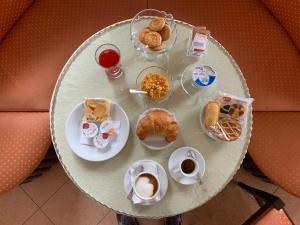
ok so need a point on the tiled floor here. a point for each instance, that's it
(53, 199)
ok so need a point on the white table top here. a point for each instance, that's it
(103, 181)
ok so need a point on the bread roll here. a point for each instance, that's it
(211, 113)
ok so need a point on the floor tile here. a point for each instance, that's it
(190, 219)
(43, 187)
(38, 218)
(16, 207)
(232, 206)
(292, 204)
(109, 219)
(70, 206)
(246, 177)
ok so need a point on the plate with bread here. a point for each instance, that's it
(97, 129)
(157, 128)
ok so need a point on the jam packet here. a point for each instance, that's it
(198, 40)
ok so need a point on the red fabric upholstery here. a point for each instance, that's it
(10, 11)
(35, 50)
(274, 147)
(288, 13)
(24, 140)
(261, 47)
(32, 55)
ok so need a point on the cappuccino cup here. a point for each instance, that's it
(146, 186)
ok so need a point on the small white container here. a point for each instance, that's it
(89, 130)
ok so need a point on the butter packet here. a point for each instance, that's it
(198, 41)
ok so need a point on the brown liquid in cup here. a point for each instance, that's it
(188, 166)
(152, 180)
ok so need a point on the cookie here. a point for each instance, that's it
(158, 48)
(225, 109)
(143, 33)
(152, 39)
(228, 129)
(165, 32)
(157, 24)
(236, 110)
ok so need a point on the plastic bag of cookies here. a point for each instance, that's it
(224, 118)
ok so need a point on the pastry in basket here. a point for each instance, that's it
(158, 123)
(227, 129)
(96, 110)
(143, 33)
(212, 112)
(165, 32)
(153, 39)
(236, 110)
(225, 109)
(157, 24)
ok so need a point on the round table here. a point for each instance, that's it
(103, 181)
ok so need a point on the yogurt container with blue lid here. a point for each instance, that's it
(203, 76)
(196, 77)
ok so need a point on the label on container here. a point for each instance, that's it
(89, 129)
(203, 76)
(101, 141)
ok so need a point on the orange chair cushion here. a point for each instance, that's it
(288, 13)
(36, 49)
(24, 140)
(10, 11)
(274, 147)
(266, 54)
(275, 217)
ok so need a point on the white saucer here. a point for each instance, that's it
(162, 176)
(155, 142)
(177, 156)
(91, 153)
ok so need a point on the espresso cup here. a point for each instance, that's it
(144, 183)
(188, 166)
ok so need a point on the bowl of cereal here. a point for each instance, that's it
(156, 82)
(153, 32)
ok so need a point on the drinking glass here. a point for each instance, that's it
(108, 57)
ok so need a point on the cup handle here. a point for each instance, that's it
(191, 154)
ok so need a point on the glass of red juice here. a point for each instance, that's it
(108, 56)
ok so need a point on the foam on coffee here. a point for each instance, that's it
(146, 185)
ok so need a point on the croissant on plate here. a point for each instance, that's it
(158, 123)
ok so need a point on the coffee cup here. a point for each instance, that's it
(188, 166)
(146, 186)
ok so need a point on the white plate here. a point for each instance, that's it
(91, 153)
(155, 142)
(162, 176)
(177, 156)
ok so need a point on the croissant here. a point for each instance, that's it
(158, 123)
